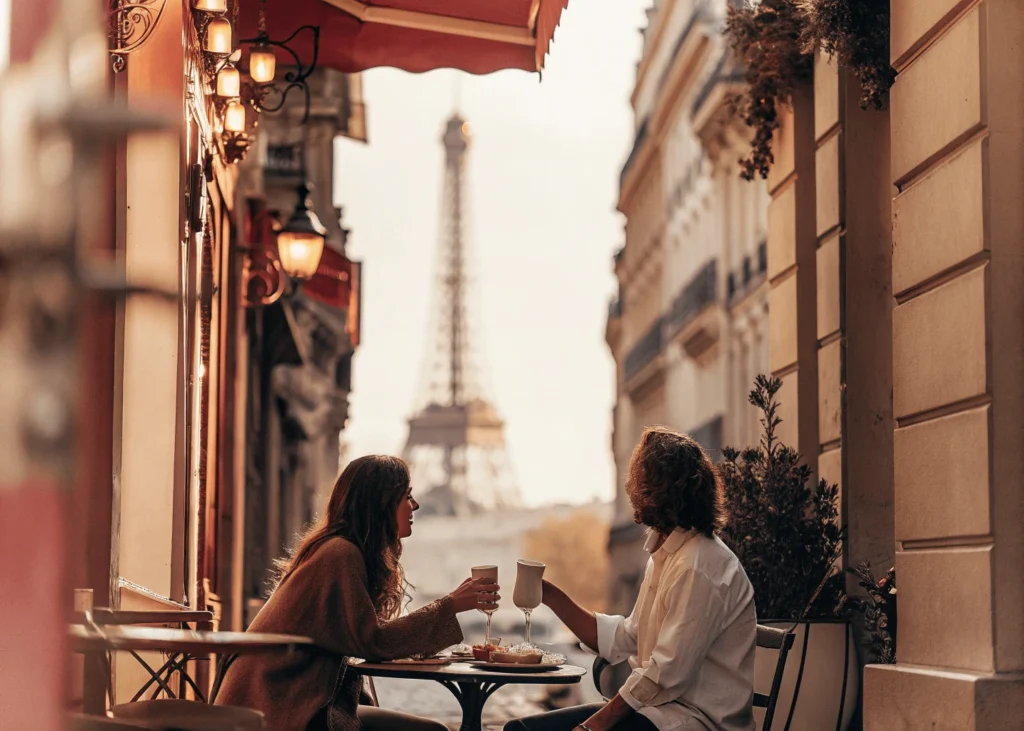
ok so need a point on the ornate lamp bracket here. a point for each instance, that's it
(263, 277)
(132, 22)
(271, 97)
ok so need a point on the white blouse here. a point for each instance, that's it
(690, 639)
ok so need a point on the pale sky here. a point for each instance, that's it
(543, 168)
(5, 33)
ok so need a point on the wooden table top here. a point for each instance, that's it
(159, 639)
(461, 672)
(105, 616)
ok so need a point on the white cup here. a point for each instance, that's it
(529, 591)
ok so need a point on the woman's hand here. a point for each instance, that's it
(581, 622)
(475, 594)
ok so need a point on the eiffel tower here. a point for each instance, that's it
(456, 442)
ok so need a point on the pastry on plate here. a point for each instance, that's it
(508, 657)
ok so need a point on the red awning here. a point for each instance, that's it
(477, 36)
(336, 283)
(332, 282)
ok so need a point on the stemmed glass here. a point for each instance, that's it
(490, 573)
(529, 591)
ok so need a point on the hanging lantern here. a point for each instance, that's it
(229, 82)
(234, 117)
(300, 244)
(218, 37)
(262, 64)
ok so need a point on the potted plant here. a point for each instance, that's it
(785, 530)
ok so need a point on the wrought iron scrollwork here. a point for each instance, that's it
(271, 97)
(265, 280)
(132, 22)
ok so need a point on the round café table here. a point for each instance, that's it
(96, 641)
(181, 618)
(470, 685)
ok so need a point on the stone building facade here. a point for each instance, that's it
(688, 330)
(912, 276)
(895, 281)
(301, 345)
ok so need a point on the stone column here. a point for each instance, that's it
(854, 261)
(957, 117)
(830, 162)
(792, 273)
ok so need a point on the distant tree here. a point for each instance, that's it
(575, 550)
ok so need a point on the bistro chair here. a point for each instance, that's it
(771, 638)
(182, 715)
(608, 678)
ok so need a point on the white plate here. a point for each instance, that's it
(517, 667)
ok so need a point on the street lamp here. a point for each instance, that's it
(300, 244)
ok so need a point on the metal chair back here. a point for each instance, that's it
(768, 638)
(771, 638)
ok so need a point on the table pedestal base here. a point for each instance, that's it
(472, 697)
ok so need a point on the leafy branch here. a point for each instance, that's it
(769, 39)
(879, 611)
(856, 34)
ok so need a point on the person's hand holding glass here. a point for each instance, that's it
(491, 574)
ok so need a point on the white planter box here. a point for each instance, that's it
(822, 678)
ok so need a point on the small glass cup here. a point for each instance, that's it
(495, 642)
(490, 573)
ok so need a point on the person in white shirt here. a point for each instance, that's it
(690, 639)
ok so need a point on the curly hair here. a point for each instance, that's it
(672, 483)
(362, 510)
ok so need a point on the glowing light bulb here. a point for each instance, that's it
(218, 37)
(262, 64)
(211, 6)
(234, 117)
(229, 82)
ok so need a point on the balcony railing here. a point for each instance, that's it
(284, 160)
(645, 351)
(698, 293)
(750, 274)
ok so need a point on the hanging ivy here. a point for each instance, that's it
(770, 39)
(855, 33)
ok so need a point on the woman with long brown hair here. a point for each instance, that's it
(344, 587)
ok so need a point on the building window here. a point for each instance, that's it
(709, 436)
